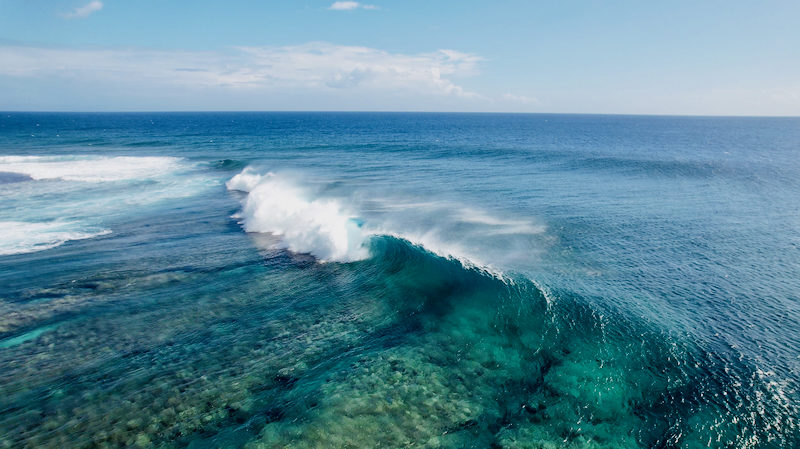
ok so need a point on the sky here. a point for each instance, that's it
(675, 57)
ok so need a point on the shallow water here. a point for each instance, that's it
(388, 280)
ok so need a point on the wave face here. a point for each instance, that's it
(545, 367)
(399, 280)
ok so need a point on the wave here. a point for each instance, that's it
(331, 223)
(92, 169)
(22, 237)
(501, 362)
(615, 376)
(228, 164)
(319, 227)
(80, 193)
(544, 359)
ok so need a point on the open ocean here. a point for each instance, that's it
(355, 280)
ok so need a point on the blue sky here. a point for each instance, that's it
(632, 57)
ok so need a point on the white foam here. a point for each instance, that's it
(21, 237)
(247, 180)
(41, 215)
(90, 168)
(319, 227)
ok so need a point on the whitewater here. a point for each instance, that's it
(399, 280)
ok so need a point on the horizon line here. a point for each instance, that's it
(397, 112)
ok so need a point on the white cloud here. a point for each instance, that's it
(346, 6)
(520, 99)
(83, 11)
(314, 67)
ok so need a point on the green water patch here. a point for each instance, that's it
(405, 349)
(27, 336)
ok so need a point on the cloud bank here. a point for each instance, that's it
(313, 69)
(311, 66)
(84, 11)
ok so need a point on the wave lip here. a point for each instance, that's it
(21, 237)
(319, 227)
(89, 168)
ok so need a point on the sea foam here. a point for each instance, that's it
(317, 226)
(79, 195)
(21, 237)
(89, 168)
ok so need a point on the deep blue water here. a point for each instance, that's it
(387, 280)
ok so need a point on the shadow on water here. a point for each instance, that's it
(10, 178)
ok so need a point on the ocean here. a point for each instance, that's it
(353, 280)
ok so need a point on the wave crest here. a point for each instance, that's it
(319, 227)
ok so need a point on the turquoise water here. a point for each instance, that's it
(399, 280)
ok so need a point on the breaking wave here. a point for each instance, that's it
(90, 168)
(336, 229)
(320, 227)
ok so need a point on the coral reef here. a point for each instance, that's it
(403, 349)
